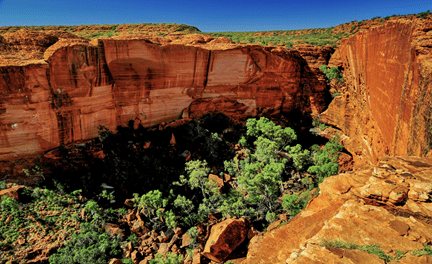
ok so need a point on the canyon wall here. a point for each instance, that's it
(386, 108)
(81, 85)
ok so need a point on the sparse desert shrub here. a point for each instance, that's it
(90, 245)
(171, 258)
(290, 202)
(332, 73)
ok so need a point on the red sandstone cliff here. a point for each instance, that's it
(81, 85)
(387, 106)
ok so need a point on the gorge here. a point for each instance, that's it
(381, 115)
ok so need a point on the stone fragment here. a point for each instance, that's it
(400, 227)
(136, 256)
(139, 228)
(224, 238)
(114, 229)
(163, 248)
(13, 192)
(216, 180)
(186, 240)
(115, 261)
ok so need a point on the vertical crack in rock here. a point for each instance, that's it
(207, 70)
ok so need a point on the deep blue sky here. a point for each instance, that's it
(212, 16)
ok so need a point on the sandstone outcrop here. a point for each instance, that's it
(13, 192)
(224, 238)
(387, 205)
(80, 85)
(386, 107)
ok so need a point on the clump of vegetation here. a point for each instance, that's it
(332, 73)
(90, 245)
(319, 124)
(424, 14)
(171, 258)
(371, 249)
(266, 155)
(427, 250)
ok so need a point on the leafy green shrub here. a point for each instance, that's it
(154, 204)
(332, 73)
(260, 173)
(171, 258)
(193, 234)
(317, 123)
(9, 205)
(127, 261)
(90, 245)
(424, 14)
(371, 249)
(2, 185)
(427, 250)
(325, 159)
(290, 202)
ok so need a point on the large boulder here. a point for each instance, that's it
(13, 192)
(224, 238)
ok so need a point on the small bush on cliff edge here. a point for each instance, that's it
(332, 73)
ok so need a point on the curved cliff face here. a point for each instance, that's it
(386, 109)
(80, 86)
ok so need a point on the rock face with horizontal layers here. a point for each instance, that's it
(387, 205)
(80, 85)
(387, 107)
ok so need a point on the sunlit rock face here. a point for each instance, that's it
(80, 86)
(386, 109)
(387, 204)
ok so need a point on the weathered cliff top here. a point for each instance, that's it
(387, 205)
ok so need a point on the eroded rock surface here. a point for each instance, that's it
(388, 99)
(80, 85)
(224, 238)
(387, 205)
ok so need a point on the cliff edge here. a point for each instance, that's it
(385, 109)
(81, 84)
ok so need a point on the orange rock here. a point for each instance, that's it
(224, 238)
(136, 256)
(218, 181)
(411, 259)
(115, 261)
(113, 230)
(186, 240)
(139, 228)
(13, 192)
(81, 85)
(355, 208)
(173, 140)
(388, 100)
(315, 55)
(163, 248)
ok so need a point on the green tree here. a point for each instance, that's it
(260, 173)
(332, 73)
(290, 202)
(325, 160)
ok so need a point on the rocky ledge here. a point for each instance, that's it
(388, 205)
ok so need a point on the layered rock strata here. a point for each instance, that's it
(386, 108)
(388, 205)
(80, 86)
